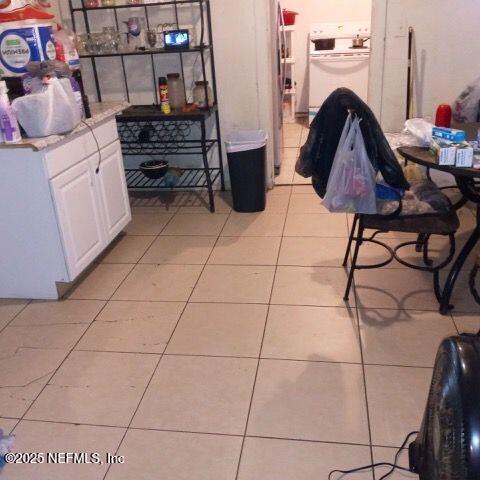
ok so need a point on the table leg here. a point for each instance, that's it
(452, 278)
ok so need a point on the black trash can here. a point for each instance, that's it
(246, 152)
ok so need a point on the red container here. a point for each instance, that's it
(289, 17)
(444, 116)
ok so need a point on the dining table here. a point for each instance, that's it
(468, 182)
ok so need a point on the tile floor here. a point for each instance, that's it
(217, 347)
(294, 136)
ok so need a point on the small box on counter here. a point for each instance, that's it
(449, 134)
(464, 157)
(444, 151)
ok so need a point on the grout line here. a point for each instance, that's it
(360, 344)
(365, 384)
(166, 346)
(276, 359)
(261, 345)
(8, 324)
(79, 340)
(342, 305)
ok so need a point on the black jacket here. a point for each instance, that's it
(316, 156)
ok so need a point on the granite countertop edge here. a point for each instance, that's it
(100, 112)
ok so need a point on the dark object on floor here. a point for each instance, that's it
(448, 446)
(318, 153)
(426, 212)
(393, 466)
(154, 169)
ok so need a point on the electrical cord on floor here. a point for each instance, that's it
(393, 465)
(97, 170)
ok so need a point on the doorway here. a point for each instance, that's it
(341, 66)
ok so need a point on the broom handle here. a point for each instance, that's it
(410, 74)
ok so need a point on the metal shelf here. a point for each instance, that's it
(144, 130)
(153, 51)
(153, 113)
(190, 178)
(141, 5)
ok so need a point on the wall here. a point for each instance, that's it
(317, 11)
(243, 70)
(446, 55)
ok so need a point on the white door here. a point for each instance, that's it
(79, 218)
(113, 189)
(328, 74)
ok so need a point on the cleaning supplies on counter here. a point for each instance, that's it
(8, 119)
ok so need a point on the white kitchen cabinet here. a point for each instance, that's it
(113, 189)
(77, 203)
(57, 214)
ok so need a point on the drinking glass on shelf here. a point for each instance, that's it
(112, 39)
(82, 43)
(152, 38)
(96, 44)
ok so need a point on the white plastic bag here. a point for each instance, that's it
(351, 185)
(466, 108)
(50, 112)
(421, 130)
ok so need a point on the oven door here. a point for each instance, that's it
(328, 73)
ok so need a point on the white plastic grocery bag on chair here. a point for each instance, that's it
(351, 184)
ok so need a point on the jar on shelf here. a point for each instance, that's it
(199, 98)
(176, 91)
(108, 3)
(91, 3)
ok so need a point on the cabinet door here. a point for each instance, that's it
(79, 218)
(113, 190)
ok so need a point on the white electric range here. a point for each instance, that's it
(341, 65)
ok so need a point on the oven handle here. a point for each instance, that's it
(343, 58)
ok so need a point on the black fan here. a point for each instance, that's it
(448, 445)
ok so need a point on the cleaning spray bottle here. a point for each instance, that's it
(8, 119)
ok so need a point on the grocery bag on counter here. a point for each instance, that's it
(52, 111)
(351, 184)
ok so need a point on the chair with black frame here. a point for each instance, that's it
(443, 222)
(424, 210)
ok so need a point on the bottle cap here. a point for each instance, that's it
(173, 75)
(162, 80)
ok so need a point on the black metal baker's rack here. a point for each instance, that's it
(144, 129)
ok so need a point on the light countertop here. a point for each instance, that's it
(100, 112)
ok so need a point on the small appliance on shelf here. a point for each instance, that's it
(175, 39)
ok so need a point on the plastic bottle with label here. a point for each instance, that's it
(25, 36)
(8, 118)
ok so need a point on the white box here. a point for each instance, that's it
(464, 156)
(445, 151)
